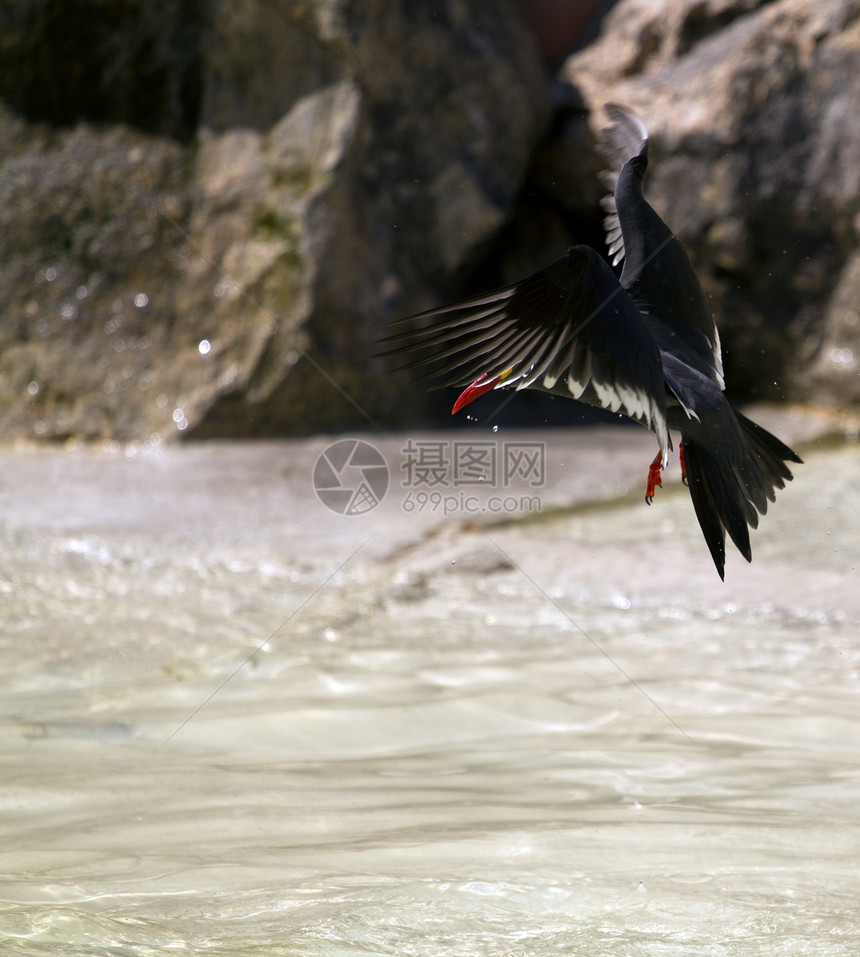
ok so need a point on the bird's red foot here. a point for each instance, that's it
(681, 460)
(654, 478)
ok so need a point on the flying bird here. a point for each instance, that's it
(643, 344)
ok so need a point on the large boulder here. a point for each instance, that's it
(753, 108)
(207, 209)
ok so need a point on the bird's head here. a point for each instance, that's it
(479, 387)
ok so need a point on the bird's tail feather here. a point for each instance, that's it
(728, 496)
(770, 452)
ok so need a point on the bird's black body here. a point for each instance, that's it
(645, 344)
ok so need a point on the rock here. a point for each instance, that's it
(89, 272)
(105, 61)
(560, 25)
(208, 211)
(756, 165)
(834, 368)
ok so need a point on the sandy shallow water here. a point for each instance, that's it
(236, 722)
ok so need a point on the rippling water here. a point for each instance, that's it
(224, 730)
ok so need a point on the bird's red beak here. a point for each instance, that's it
(479, 387)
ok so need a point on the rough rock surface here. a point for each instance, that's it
(209, 209)
(204, 211)
(756, 151)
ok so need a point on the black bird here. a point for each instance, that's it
(645, 345)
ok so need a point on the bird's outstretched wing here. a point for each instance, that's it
(625, 138)
(569, 327)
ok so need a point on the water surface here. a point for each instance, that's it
(236, 723)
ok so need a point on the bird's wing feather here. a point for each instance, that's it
(625, 138)
(657, 271)
(567, 327)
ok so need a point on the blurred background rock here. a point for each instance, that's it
(210, 208)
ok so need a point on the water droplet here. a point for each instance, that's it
(141, 300)
(204, 347)
(843, 358)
